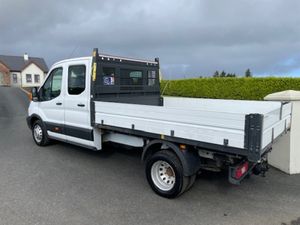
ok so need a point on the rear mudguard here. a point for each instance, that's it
(189, 158)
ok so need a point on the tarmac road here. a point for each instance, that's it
(64, 184)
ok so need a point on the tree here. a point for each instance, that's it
(223, 74)
(230, 75)
(248, 73)
(216, 74)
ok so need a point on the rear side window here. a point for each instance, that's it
(76, 79)
(131, 77)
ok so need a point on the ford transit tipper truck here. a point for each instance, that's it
(102, 98)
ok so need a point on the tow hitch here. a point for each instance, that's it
(261, 168)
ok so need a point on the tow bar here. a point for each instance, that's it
(261, 168)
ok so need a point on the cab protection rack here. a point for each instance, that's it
(125, 80)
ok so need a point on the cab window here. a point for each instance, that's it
(52, 87)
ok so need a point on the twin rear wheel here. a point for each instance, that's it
(164, 173)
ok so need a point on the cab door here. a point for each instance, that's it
(51, 103)
(77, 109)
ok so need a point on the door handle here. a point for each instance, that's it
(80, 105)
(58, 103)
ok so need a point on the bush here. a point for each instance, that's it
(228, 88)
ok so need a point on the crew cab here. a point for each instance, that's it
(102, 98)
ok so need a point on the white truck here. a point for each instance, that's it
(102, 98)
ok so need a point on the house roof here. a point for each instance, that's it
(17, 63)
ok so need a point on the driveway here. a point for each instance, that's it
(64, 184)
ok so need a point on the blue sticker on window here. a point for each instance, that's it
(108, 80)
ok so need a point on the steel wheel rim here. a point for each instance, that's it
(163, 175)
(38, 133)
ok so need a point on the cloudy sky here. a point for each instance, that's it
(191, 37)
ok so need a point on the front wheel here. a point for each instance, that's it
(39, 133)
(164, 173)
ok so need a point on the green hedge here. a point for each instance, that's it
(228, 88)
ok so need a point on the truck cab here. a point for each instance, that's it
(63, 103)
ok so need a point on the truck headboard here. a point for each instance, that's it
(125, 80)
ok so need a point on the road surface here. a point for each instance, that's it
(64, 184)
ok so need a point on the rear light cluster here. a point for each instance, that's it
(241, 170)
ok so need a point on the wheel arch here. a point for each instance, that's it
(189, 159)
(32, 119)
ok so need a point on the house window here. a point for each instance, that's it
(36, 78)
(28, 78)
(15, 78)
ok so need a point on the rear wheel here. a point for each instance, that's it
(39, 133)
(164, 173)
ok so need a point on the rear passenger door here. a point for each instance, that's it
(77, 117)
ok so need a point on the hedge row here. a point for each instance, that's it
(228, 88)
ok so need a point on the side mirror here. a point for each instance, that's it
(34, 93)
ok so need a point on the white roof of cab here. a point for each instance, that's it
(72, 59)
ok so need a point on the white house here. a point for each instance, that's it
(22, 71)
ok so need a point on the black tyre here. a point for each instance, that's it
(164, 173)
(192, 180)
(39, 133)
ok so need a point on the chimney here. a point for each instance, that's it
(25, 57)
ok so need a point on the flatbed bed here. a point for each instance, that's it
(215, 124)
